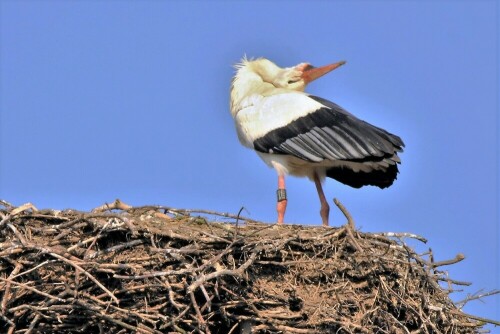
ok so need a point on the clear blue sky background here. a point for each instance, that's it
(129, 100)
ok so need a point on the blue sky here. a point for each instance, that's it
(129, 100)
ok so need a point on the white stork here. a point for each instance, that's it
(305, 135)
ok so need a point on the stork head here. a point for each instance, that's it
(299, 76)
(261, 76)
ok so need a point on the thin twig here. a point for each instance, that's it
(350, 225)
(236, 225)
(457, 258)
(6, 294)
(400, 235)
(461, 303)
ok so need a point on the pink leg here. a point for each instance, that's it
(325, 208)
(281, 207)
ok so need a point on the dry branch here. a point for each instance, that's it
(157, 269)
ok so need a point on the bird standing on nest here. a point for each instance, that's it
(304, 135)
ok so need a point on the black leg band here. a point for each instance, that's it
(281, 193)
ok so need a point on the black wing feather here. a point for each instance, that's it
(332, 133)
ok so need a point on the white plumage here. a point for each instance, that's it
(304, 135)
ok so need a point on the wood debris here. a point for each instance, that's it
(154, 269)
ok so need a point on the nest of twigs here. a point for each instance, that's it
(156, 269)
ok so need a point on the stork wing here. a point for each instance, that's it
(322, 131)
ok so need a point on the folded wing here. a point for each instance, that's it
(364, 154)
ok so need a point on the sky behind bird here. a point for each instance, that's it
(129, 100)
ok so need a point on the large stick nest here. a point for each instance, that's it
(160, 270)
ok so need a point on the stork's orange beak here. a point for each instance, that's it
(312, 73)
